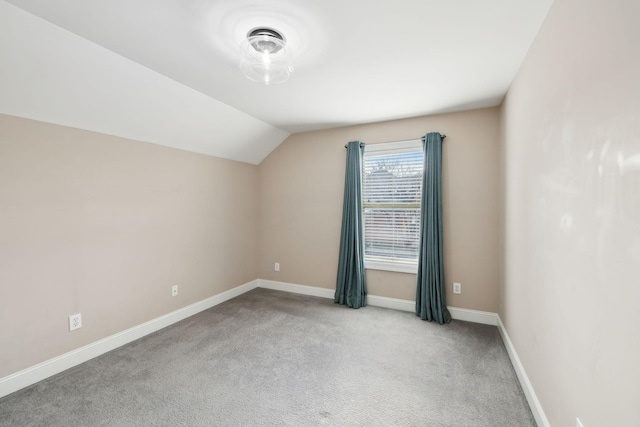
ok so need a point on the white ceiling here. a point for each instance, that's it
(166, 71)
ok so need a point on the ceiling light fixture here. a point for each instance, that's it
(266, 57)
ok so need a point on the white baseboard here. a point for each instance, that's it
(397, 304)
(393, 303)
(529, 392)
(296, 289)
(475, 316)
(468, 315)
(39, 372)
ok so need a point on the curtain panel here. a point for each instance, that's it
(351, 289)
(430, 292)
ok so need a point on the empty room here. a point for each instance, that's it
(355, 213)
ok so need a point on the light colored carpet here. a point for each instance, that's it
(271, 358)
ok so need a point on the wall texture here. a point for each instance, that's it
(571, 155)
(300, 210)
(104, 226)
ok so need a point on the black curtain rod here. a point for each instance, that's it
(443, 137)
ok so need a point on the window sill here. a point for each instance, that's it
(391, 266)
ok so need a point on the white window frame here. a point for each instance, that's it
(371, 263)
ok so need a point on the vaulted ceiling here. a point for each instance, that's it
(166, 71)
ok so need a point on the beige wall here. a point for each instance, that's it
(571, 152)
(104, 226)
(301, 189)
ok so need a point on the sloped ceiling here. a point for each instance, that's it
(166, 71)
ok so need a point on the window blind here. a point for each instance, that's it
(392, 188)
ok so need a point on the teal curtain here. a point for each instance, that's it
(430, 292)
(351, 288)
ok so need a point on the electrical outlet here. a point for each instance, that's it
(457, 288)
(75, 322)
(174, 290)
(578, 423)
(276, 267)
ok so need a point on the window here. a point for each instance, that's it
(391, 193)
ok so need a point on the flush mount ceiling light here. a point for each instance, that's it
(266, 57)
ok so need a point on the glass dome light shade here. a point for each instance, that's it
(266, 59)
